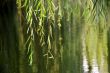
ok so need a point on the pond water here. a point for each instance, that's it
(92, 65)
(95, 56)
(87, 68)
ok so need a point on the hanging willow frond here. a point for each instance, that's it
(100, 7)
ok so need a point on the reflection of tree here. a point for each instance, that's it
(45, 36)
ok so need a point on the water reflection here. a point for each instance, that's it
(90, 69)
(94, 66)
(94, 52)
(85, 64)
